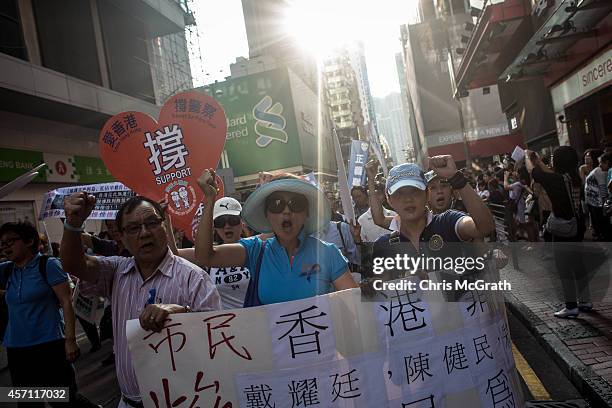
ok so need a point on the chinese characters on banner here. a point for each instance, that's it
(163, 159)
(400, 350)
(109, 197)
(357, 162)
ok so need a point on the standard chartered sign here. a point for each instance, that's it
(270, 125)
(262, 132)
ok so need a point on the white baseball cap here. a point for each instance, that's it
(226, 206)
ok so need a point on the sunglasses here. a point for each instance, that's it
(232, 220)
(296, 204)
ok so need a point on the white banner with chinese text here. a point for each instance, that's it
(408, 350)
(109, 198)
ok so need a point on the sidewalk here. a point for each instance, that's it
(582, 347)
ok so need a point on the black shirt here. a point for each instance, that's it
(107, 247)
(555, 187)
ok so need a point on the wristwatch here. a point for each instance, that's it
(187, 309)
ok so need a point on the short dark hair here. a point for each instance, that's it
(25, 231)
(606, 157)
(134, 202)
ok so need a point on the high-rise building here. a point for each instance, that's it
(357, 56)
(66, 68)
(343, 99)
(267, 36)
(392, 124)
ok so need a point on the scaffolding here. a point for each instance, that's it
(177, 63)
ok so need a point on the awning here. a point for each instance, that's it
(571, 21)
(492, 39)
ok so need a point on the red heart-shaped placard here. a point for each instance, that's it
(163, 159)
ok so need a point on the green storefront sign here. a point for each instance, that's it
(14, 163)
(262, 130)
(86, 170)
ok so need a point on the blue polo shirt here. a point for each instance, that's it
(441, 229)
(35, 316)
(312, 271)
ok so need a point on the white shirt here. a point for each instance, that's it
(232, 283)
(370, 232)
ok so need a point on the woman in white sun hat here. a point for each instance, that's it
(231, 282)
(290, 265)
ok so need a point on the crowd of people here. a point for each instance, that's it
(289, 240)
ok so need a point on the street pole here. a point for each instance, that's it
(456, 94)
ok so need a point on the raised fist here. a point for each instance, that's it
(77, 207)
(208, 183)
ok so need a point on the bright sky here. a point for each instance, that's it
(316, 24)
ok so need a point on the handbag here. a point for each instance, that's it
(251, 298)
(561, 227)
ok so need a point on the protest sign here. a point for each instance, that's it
(375, 143)
(408, 349)
(343, 187)
(109, 197)
(90, 308)
(357, 162)
(163, 159)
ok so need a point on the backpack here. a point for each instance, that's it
(4, 316)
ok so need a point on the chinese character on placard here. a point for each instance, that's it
(169, 145)
(225, 338)
(118, 128)
(417, 366)
(358, 170)
(109, 139)
(195, 105)
(501, 394)
(359, 159)
(180, 105)
(208, 111)
(504, 336)
(345, 386)
(427, 402)
(481, 345)
(303, 343)
(169, 402)
(168, 338)
(130, 121)
(258, 396)
(304, 393)
(477, 302)
(455, 358)
(406, 310)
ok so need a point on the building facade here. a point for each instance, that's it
(267, 37)
(67, 68)
(449, 120)
(553, 63)
(343, 99)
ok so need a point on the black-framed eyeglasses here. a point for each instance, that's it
(134, 229)
(232, 220)
(9, 242)
(296, 204)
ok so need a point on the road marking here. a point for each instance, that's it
(537, 389)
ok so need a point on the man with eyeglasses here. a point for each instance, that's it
(150, 285)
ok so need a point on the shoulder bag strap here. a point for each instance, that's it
(341, 237)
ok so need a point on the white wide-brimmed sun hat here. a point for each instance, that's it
(254, 209)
